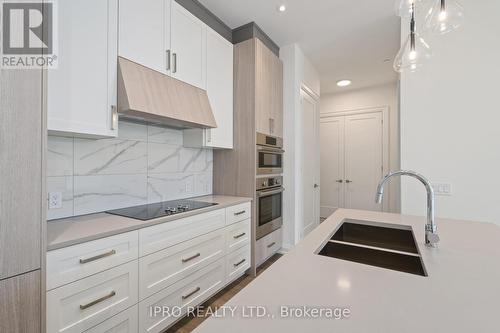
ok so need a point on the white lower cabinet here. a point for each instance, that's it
(163, 268)
(171, 303)
(161, 236)
(267, 246)
(237, 235)
(79, 261)
(124, 322)
(237, 263)
(144, 281)
(83, 304)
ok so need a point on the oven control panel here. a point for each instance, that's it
(269, 182)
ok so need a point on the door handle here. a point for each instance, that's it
(168, 60)
(348, 181)
(174, 56)
(339, 181)
(316, 185)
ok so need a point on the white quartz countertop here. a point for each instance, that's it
(75, 230)
(460, 294)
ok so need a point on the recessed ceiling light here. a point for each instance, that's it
(281, 8)
(344, 83)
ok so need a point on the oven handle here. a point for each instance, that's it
(261, 194)
(263, 149)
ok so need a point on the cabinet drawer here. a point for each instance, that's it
(162, 269)
(237, 263)
(83, 304)
(79, 261)
(164, 235)
(190, 291)
(238, 213)
(124, 322)
(267, 246)
(237, 235)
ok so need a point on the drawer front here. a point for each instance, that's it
(237, 235)
(164, 235)
(124, 322)
(238, 213)
(186, 293)
(76, 262)
(267, 246)
(162, 269)
(237, 263)
(83, 304)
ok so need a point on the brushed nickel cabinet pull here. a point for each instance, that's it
(168, 60)
(239, 213)
(100, 256)
(240, 235)
(271, 245)
(99, 300)
(192, 257)
(174, 55)
(239, 263)
(114, 117)
(191, 293)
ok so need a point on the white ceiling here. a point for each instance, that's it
(342, 38)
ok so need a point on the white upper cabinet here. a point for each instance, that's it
(220, 89)
(145, 33)
(189, 47)
(220, 94)
(81, 94)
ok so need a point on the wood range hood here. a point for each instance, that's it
(149, 96)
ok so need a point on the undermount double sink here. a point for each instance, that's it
(376, 244)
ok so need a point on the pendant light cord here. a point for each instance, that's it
(412, 27)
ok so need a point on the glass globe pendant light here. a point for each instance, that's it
(414, 52)
(444, 16)
(405, 7)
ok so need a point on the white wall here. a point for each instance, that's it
(383, 95)
(450, 119)
(297, 71)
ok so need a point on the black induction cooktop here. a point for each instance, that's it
(160, 209)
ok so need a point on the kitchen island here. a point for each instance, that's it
(461, 292)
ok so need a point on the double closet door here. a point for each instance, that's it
(352, 161)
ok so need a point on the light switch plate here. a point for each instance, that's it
(442, 189)
(55, 200)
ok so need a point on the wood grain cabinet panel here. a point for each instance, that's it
(20, 310)
(268, 91)
(20, 171)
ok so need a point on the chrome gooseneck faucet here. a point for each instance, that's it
(431, 236)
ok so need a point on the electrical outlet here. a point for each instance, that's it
(442, 189)
(55, 200)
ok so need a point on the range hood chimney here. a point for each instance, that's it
(146, 95)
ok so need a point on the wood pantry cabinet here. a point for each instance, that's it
(22, 199)
(268, 91)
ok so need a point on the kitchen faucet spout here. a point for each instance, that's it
(431, 236)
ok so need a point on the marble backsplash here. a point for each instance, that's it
(144, 164)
